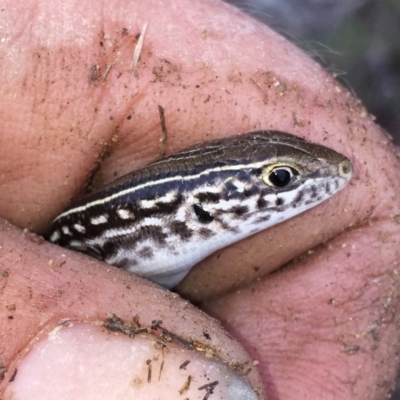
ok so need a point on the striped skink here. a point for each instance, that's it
(162, 219)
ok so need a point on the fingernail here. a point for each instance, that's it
(82, 360)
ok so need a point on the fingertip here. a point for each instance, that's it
(78, 359)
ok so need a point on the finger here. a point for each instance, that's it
(117, 114)
(327, 326)
(73, 329)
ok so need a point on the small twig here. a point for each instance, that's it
(108, 68)
(209, 387)
(264, 94)
(184, 364)
(164, 137)
(149, 370)
(138, 48)
(186, 385)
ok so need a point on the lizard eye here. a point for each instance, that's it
(280, 177)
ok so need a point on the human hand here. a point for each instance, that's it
(72, 105)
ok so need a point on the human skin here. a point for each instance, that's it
(73, 108)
